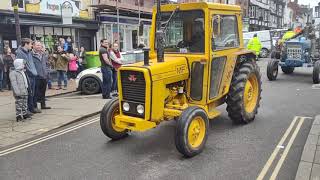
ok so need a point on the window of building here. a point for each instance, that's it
(265, 17)
(252, 11)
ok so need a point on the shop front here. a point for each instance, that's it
(127, 33)
(45, 21)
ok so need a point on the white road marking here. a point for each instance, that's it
(47, 137)
(286, 150)
(280, 146)
(276, 150)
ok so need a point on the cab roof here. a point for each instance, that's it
(199, 5)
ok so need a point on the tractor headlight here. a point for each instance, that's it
(126, 106)
(140, 109)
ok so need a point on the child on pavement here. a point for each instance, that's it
(20, 85)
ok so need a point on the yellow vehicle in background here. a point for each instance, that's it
(196, 62)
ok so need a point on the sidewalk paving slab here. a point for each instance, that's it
(65, 110)
(309, 166)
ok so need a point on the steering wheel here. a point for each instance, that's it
(182, 44)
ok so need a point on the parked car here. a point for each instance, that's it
(265, 38)
(89, 81)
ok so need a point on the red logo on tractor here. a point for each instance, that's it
(132, 78)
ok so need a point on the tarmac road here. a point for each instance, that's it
(232, 151)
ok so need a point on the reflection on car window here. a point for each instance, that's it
(185, 32)
(225, 32)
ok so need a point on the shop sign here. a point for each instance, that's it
(56, 7)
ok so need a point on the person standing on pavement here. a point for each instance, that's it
(106, 69)
(23, 52)
(82, 59)
(8, 65)
(1, 74)
(40, 60)
(20, 86)
(61, 65)
(255, 45)
(116, 60)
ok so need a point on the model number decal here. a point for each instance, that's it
(180, 69)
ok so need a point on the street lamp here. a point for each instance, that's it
(66, 15)
(15, 5)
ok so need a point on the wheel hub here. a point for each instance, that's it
(196, 132)
(251, 93)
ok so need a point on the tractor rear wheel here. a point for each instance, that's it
(272, 69)
(316, 72)
(191, 131)
(107, 121)
(287, 70)
(244, 97)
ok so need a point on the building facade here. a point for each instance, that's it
(124, 29)
(42, 20)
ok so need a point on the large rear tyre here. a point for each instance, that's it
(287, 70)
(107, 121)
(316, 72)
(244, 97)
(272, 69)
(191, 131)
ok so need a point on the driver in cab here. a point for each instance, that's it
(197, 39)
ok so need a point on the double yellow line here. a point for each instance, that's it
(47, 137)
(297, 120)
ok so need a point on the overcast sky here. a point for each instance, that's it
(307, 2)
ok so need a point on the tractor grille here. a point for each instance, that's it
(133, 86)
(294, 52)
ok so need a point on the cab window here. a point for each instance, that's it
(225, 32)
(185, 32)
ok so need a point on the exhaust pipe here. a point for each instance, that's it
(146, 56)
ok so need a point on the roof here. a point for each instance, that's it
(200, 5)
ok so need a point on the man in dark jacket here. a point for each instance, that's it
(40, 61)
(23, 52)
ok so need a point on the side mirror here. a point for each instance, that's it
(141, 29)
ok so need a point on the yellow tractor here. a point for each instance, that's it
(195, 63)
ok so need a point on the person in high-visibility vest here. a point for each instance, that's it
(289, 34)
(255, 45)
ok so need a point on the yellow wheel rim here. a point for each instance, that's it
(251, 93)
(114, 114)
(196, 132)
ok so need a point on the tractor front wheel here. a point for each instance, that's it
(272, 69)
(316, 72)
(244, 97)
(287, 70)
(191, 131)
(107, 121)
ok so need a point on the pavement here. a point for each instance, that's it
(233, 152)
(66, 108)
(309, 166)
